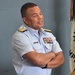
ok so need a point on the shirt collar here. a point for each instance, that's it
(33, 31)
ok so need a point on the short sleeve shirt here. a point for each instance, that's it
(31, 40)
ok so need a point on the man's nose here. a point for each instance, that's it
(39, 16)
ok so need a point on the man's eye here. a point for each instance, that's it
(41, 14)
(34, 16)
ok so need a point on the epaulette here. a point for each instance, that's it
(22, 29)
(47, 30)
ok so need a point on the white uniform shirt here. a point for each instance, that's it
(29, 40)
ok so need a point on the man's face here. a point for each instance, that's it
(34, 18)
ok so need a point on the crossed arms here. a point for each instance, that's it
(40, 59)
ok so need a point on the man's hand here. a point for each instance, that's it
(57, 61)
(53, 55)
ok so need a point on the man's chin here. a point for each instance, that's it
(41, 26)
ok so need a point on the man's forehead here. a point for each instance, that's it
(34, 9)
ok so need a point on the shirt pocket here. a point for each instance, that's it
(48, 47)
(37, 47)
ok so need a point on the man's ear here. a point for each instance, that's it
(25, 20)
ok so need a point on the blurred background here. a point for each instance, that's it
(57, 18)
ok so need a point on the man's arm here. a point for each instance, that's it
(57, 61)
(39, 59)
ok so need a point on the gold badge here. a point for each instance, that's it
(22, 29)
(47, 30)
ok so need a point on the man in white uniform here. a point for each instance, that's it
(35, 50)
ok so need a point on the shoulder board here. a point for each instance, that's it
(47, 30)
(22, 29)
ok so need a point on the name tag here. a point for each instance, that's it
(35, 42)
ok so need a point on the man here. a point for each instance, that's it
(35, 50)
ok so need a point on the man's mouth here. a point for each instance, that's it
(40, 22)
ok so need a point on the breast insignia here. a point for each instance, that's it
(47, 30)
(22, 29)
